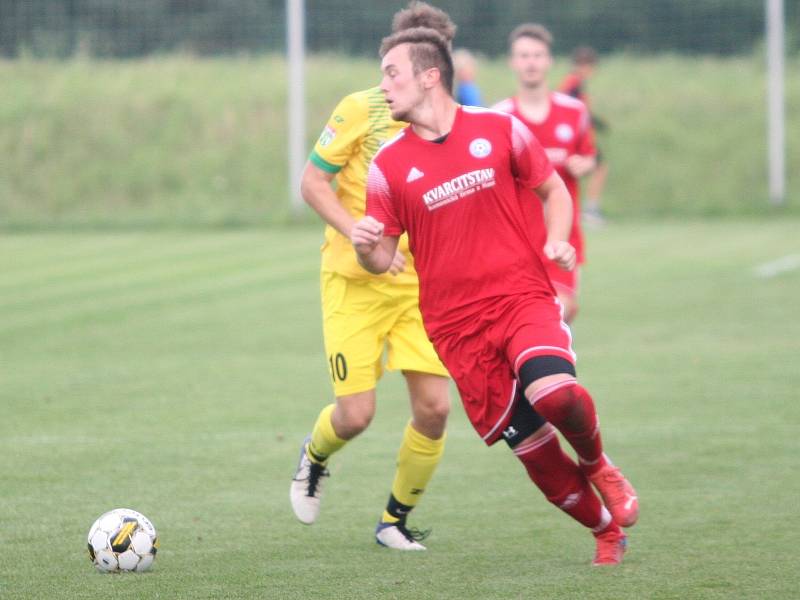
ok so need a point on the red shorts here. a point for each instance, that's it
(484, 359)
(565, 282)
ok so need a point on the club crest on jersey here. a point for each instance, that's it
(480, 148)
(327, 136)
(564, 132)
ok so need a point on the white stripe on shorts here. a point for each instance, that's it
(505, 414)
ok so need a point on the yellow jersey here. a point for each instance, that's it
(358, 127)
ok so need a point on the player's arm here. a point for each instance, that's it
(338, 142)
(375, 251)
(316, 189)
(579, 165)
(584, 160)
(558, 221)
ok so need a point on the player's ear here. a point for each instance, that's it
(431, 77)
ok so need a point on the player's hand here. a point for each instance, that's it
(562, 253)
(366, 234)
(579, 165)
(398, 263)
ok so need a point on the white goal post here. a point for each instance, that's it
(296, 98)
(776, 112)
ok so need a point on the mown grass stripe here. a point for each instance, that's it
(128, 276)
(106, 254)
(147, 297)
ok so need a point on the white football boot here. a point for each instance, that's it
(306, 489)
(399, 537)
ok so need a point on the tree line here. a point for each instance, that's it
(126, 28)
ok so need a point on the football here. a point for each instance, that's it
(122, 540)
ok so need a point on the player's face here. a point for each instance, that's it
(531, 61)
(403, 89)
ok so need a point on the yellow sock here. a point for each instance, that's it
(416, 462)
(324, 440)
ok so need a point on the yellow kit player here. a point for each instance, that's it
(365, 315)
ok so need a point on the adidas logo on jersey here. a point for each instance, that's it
(414, 174)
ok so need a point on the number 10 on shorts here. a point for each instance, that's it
(338, 367)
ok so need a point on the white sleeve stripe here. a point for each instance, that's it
(376, 181)
(505, 106)
(482, 110)
(521, 136)
(567, 100)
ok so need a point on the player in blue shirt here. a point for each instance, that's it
(467, 91)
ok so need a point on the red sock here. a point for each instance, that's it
(570, 408)
(563, 483)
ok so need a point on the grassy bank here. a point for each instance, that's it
(182, 141)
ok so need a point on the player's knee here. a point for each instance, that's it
(439, 407)
(569, 406)
(358, 421)
(432, 412)
(351, 418)
(542, 374)
(430, 399)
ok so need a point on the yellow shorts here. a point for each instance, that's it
(361, 319)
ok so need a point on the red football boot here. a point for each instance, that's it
(618, 495)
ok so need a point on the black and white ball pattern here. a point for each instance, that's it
(122, 540)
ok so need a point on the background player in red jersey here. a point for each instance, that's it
(561, 124)
(584, 63)
(452, 181)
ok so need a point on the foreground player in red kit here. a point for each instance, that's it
(563, 126)
(451, 181)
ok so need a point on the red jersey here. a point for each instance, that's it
(472, 239)
(572, 85)
(565, 131)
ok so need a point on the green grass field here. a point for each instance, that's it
(176, 373)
